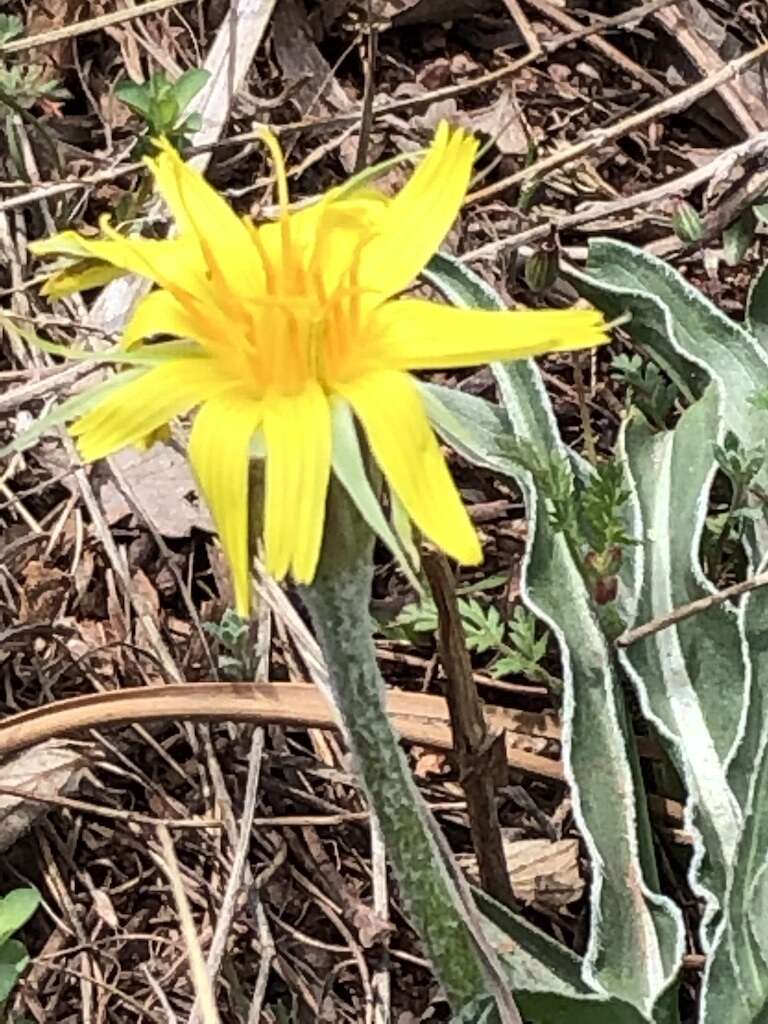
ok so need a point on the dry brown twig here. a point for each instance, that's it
(602, 46)
(170, 866)
(420, 718)
(524, 26)
(600, 137)
(479, 753)
(111, 813)
(80, 28)
(677, 20)
(53, 189)
(237, 873)
(722, 164)
(687, 611)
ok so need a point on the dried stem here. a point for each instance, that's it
(586, 422)
(435, 895)
(479, 753)
(687, 611)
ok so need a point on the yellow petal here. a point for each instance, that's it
(390, 408)
(346, 228)
(79, 277)
(419, 217)
(162, 433)
(63, 243)
(168, 262)
(219, 452)
(205, 216)
(162, 313)
(297, 432)
(412, 334)
(129, 413)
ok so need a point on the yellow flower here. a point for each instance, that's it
(289, 322)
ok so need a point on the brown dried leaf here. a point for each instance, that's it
(162, 487)
(429, 763)
(102, 904)
(541, 871)
(44, 591)
(503, 123)
(302, 62)
(371, 929)
(385, 10)
(42, 18)
(94, 644)
(125, 37)
(545, 872)
(53, 768)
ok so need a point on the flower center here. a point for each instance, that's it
(298, 331)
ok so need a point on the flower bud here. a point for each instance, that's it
(686, 222)
(541, 267)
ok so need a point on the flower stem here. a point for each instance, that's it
(338, 601)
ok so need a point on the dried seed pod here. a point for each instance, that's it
(606, 589)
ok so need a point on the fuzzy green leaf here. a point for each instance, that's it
(636, 935)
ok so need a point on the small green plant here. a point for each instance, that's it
(11, 27)
(23, 84)
(600, 506)
(591, 516)
(686, 222)
(21, 87)
(513, 644)
(234, 636)
(26, 84)
(15, 910)
(722, 543)
(647, 389)
(741, 465)
(739, 236)
(161, 103)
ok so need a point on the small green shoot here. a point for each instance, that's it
(654, 396)
(726, 528)
(741, 465)
(739, 236)
(161, 103)
(25, 85)
(15, 910)
(11, 27)
(590, 517)
(21, 87)
(513, 644)
(601, 503)
(238, 652)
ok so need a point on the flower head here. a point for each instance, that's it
(288, 324)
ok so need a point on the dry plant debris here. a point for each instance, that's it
(176, 850)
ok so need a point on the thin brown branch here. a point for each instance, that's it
(687, 611)
(479, 756)
(202, 983)
(524, 26)
(80, 28)
(420, 718)
(601, 45)
(633, 15)
(369, 92)
(672, 105)
(112, 813)
(724, 163)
